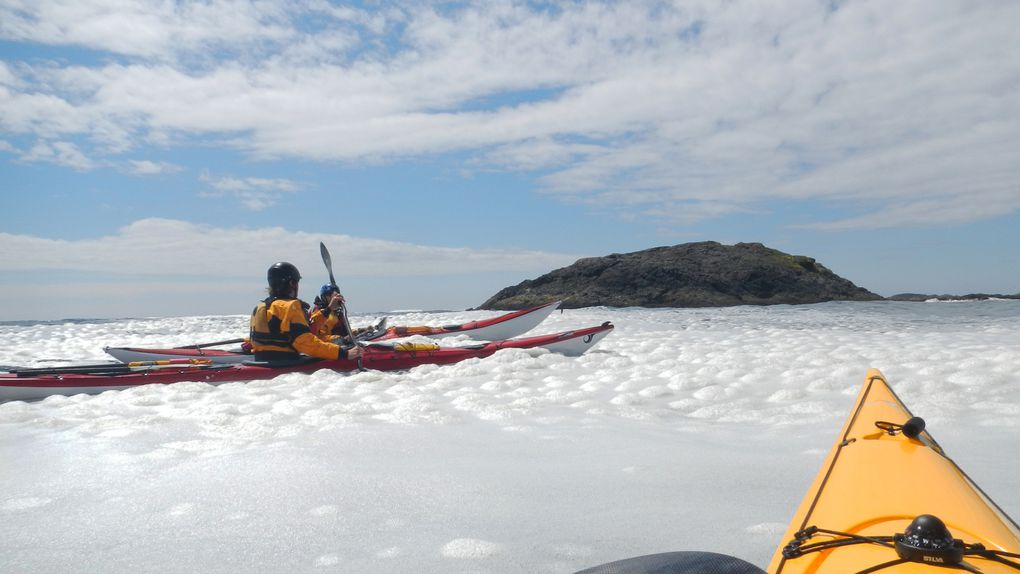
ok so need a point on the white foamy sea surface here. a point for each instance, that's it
(685, 429)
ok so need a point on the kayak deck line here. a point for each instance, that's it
(841, 445)
(926, 540)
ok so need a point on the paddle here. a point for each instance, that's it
(111, 368)
(216, 344)
(328, 262)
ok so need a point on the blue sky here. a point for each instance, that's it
(156, 157)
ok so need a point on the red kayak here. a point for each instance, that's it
(497, 328)
(30, 383)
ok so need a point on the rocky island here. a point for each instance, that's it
(703, 274)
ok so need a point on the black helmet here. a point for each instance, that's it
(282, 273)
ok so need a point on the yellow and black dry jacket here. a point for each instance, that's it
(280, 330)
(323, 322)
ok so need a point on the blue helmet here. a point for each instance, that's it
(327, 290)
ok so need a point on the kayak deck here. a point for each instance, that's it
(875, 482)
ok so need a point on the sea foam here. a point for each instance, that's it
(683, 430)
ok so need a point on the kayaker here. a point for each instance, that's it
(279, 325)
(325, 317)
(325, 296)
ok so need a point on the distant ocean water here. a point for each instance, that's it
(44, 322)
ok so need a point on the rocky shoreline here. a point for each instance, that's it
(918, 297)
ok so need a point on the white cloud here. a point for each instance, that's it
(8, 77)
(905, 107)
(937, 211)
(60, 153)
(255, 193)
(147, 167)
(144, 28)
(536, 154)
(170, 247)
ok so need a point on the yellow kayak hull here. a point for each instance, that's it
(874, 483)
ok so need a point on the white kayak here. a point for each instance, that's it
(499, 328)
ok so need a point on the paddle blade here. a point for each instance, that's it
(328, 262)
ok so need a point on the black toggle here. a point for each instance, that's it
(910, 429)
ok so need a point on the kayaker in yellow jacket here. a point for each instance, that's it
(325, 317)
(279, 325)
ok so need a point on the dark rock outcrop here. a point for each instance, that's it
(705, 274)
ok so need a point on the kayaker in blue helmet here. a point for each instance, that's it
(279, 325)
(327, 295)
(325, 316)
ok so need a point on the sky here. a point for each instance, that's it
(156, 156)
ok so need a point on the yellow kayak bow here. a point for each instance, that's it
(889, 500)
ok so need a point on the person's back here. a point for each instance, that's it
(279, 325)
